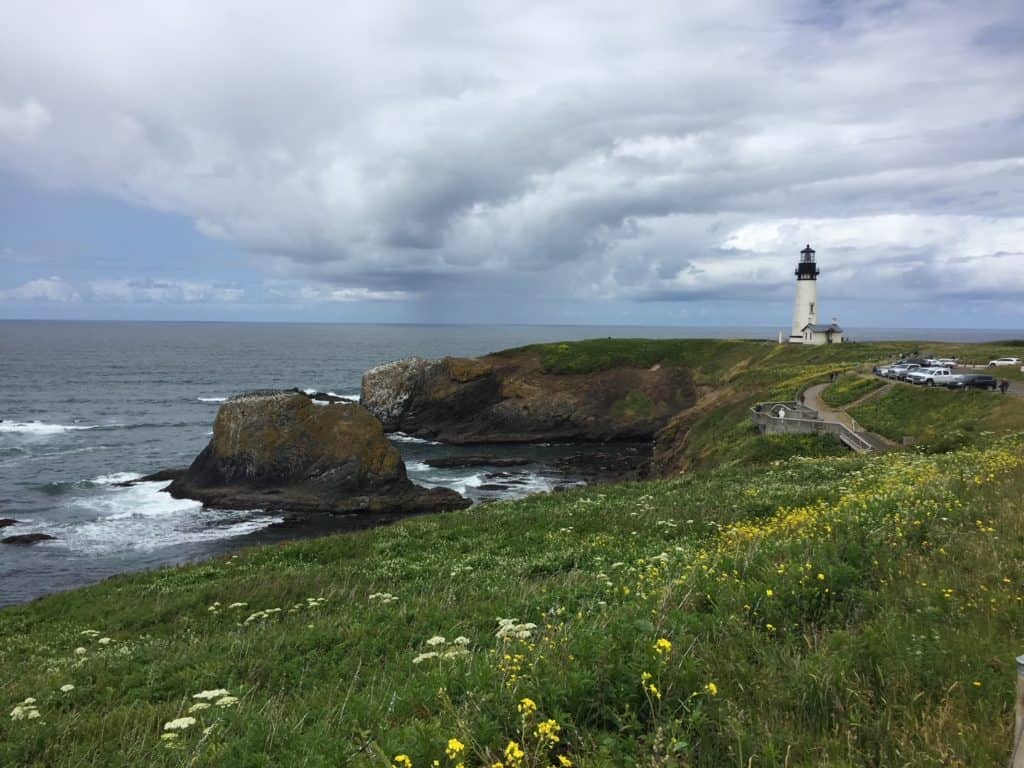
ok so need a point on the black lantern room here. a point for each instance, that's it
(807, 269)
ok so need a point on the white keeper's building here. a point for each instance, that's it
(806, 329)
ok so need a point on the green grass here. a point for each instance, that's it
(940, 418)
(709, 359)
(850, 388)
(899, 653)
(758, 370)
(634, 404)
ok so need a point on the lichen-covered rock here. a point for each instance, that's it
(277, 449)
(386, 388)
(508, 398)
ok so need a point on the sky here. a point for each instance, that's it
(657, 163)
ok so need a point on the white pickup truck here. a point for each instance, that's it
(932, 377)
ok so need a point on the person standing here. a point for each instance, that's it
(1004, 384)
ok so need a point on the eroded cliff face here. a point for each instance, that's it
(671, 443)
(509, 398)
(278, 450)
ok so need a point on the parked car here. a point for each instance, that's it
(893, 371)
(902, 370)
(1004, 361)
(947, 362)
(918, 376)
(973, 381)
(931, 376)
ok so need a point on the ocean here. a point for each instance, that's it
(87, 406)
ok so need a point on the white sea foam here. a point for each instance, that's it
(417, 466)
(401, 437)
(141, 517)
(464, 484)
(211, 399)
(117, 477)
(40, 428)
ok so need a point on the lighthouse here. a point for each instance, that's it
(805, 307)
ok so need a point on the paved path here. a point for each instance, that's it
(812, 399)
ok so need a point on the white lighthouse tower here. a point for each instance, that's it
(806, 329)
(805, 308)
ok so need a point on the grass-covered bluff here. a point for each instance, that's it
(820, 611)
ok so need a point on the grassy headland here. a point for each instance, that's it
(836, 610)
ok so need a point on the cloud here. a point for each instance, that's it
(52, 289)
(320, 293)
(22, 123)
(660, 151)
(148, 291)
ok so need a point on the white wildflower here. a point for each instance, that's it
(461, 640)
(168, 736)
(104, 641)
(227, 701)
(199, 706)
(511, 628)
(80, 651)
(180, 724)
(90, 632)
(239, 605)
(424, 656)
(68, 688)
(25, 711)
(435, 641)
(215, 693)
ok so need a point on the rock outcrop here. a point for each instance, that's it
(26, 539)
(509, 398)
(278, 450)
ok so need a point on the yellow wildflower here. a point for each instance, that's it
(548, 731)
(663, 646)
(514, 754)
(711, 688)
(403, 761)
(527, 707)
(454, 748)
(564, 761)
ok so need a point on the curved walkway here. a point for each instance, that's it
(812, 399)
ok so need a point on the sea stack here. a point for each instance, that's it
(274, 449)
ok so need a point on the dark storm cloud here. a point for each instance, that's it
(662, 151)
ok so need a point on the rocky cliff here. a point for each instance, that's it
(510, 398)
(279, 450)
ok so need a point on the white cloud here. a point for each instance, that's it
(655, 150)
(147, 291)
(325, 293)
(23, 122)
(43, 289)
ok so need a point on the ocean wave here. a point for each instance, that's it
(115, 478)
(42, 428)
(401, 437)
(211, 399)
(112, 519)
